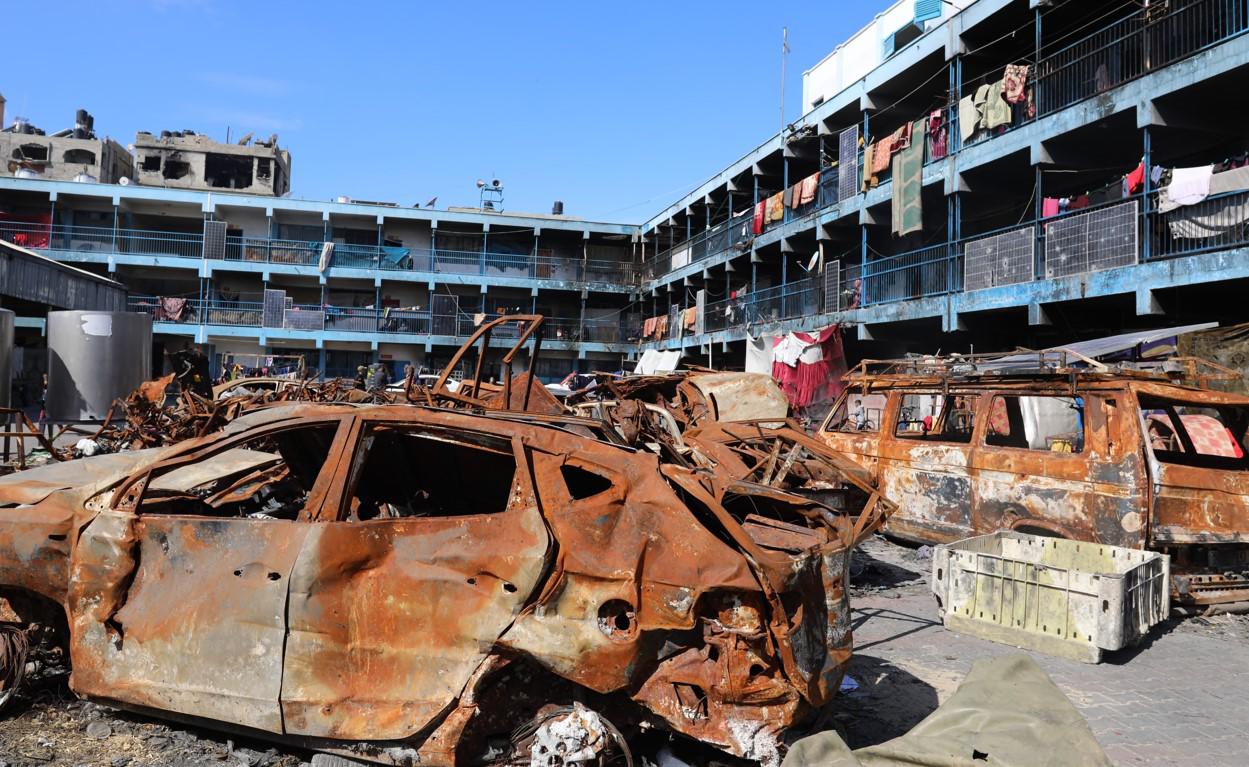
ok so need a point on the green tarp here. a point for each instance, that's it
(1006, 713)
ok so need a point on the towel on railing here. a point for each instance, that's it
(937, 134)
(757, 223)
(809, 186)
(1189, 186)
(776, 208)
(997, 110)
(968, 118)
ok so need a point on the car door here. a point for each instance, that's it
(177, 592)
(925, 459)
(404, 585)
(853, 426)
(1048, 463)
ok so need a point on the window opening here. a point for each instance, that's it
(227, 172)
(1202, 435)
(858, 412)
(78, 157)
(151, 163)
(175, 169)
(414, 472)
(583, 484)
(267, 477)
(936, 417)
(1055, 424)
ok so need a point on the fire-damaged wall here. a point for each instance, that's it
(187, 160)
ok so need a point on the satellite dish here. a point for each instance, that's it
(480, 183)
(496, 183)
(124, 181)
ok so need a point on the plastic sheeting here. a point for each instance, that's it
(1007, 712)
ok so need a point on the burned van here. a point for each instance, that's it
(1135, 458)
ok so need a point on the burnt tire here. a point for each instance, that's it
(560, 733)
(14, 653)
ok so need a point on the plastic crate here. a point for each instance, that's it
(1068, 598)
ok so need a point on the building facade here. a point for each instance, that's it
(1026, 208)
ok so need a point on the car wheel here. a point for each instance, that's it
(568, 735)
(14, 652)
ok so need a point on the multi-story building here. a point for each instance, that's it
(1026, 209)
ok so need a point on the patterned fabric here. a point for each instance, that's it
(809, 185)
(881, 155)
(1013, 81)
(937, 134)
(908, 170)
(1209, 436)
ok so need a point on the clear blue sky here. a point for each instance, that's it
(617, 108)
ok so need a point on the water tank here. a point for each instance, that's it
(6, 357)
(95, 358)
(557, 209)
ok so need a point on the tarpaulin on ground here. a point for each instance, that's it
(1007, 712)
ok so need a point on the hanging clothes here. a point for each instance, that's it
(1135, 180)
(1235, 180)
(759, 354)
(1220, 217)
(881, 156)
(968, 118)
(810, 185)
(809, 366)
(787, 198)
(939, 141)
(690, 318)
(1049, 207)
(648, 327)
(981, 100)
(997, 111)
(901, 138)
(776, 208)
(908, 182)
(1188, 186)
(1013, 80)
(868, 179)
(756, 226)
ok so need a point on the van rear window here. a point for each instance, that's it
(1196, 434)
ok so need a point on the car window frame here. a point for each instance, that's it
(894, 415)
(128, 496)
(1082, 454)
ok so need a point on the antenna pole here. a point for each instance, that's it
(784, 55)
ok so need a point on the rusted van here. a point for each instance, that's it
(1127, 457)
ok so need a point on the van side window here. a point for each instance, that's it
(1055, 424)
(936, 418)
(1196, 435)
(858, 412)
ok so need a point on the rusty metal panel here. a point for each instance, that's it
(390, 618)
(199, 630)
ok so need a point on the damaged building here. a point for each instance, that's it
(70, 154)
(187, 160)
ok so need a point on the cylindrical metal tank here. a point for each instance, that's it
(95, 358)
(6, 357)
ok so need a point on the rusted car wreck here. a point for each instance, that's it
(423, 584)
(1054, 444)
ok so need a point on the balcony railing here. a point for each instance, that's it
(1217, 223)
(313, 317)
(62, 239)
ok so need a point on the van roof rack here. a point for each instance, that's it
(1029, 364)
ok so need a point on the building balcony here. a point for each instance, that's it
(362, 323)
(87, 243)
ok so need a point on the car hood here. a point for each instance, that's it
(87, 475)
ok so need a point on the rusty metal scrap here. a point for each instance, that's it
(664, 596)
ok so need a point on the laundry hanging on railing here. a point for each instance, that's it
(1188, 186)
(756, 226)
(1218, 216)
(809, 366)
(938, 140)
(1013, 80)
(908, 187)
(808, 188)
(776, 208)
(997, 110)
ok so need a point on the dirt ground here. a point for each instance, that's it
(905, 664)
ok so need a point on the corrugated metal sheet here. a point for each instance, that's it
(31, 277)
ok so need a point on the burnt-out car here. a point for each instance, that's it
(1126, 457)
(409, 584)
